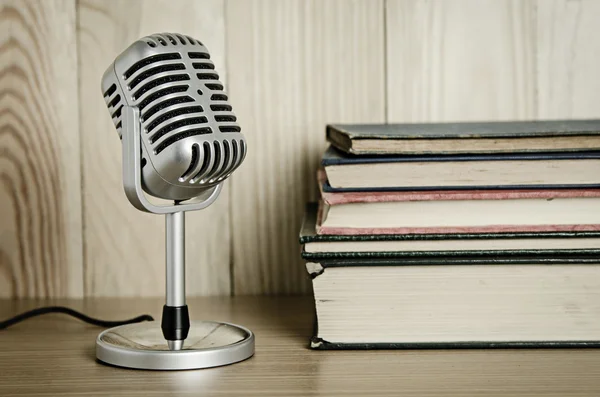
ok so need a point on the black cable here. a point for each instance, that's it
(65, 310)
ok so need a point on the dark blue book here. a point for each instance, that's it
(560, 170)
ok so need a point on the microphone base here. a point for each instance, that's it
(142, 346)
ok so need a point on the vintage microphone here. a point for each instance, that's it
(180, 142)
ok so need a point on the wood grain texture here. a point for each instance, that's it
(568, 59)
(40, 202)
(54, 356)
(293, 67)
(460, 60)
(124, 250)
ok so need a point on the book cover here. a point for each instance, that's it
(342, 196)
(316, 269)
(481, 137)
(317, 343)
(333, 156)
(308, 234)
(469, 166)
(335, 159)
(558, 228)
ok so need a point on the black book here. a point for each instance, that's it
(469, 137)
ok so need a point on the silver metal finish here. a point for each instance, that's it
(175, 258)
(190, 138)
(175, 344)
(132, 172)
(139, 346)
(175, 250)
(180, 142)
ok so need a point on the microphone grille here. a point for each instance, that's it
(115, 104)
(184, 110)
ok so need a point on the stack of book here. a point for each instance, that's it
(457, 235)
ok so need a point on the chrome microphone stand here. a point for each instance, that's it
(178, 343)
(175, 277)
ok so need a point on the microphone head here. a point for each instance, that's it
(191, 141)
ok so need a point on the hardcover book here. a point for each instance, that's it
(470, 137)
(456, 303)
(483, 171)
(523, 245)
(560, 210)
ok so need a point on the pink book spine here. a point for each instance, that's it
(449, 230)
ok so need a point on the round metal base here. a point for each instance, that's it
(142, 345)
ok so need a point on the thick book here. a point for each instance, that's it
(475, 211)
(482, 171)
(470, 137)
(456, 303)
(543, 244)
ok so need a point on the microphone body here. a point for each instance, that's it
(180, 140)
(190, 138)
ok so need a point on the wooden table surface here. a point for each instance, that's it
(53, 355)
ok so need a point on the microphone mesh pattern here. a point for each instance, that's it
(190, 134)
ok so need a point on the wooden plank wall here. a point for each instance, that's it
(124, 248)
(40, 174)
(460, 60)
(301, 65)
(291, 66)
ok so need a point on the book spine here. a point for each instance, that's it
(338, 139)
